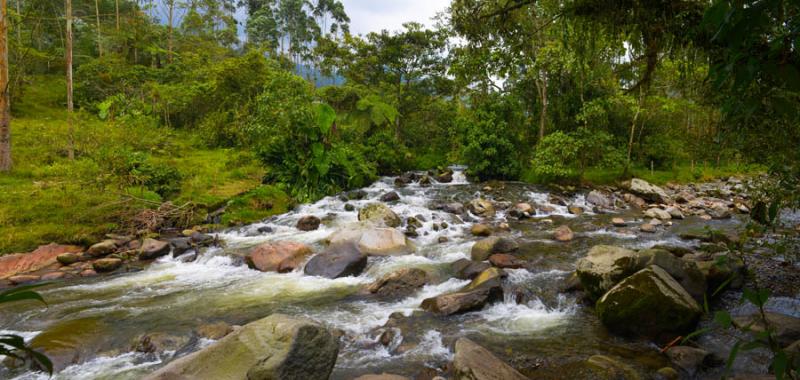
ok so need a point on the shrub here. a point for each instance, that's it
(561, 156)
(488, 149)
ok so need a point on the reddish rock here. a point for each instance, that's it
(42, 257)
(308, 223)
(563, 234)
(281, 257)
(23, 279)
(502, 260)
(88, 273)
(53, 276)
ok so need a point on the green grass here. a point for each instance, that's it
(680, 174)
(48, 198)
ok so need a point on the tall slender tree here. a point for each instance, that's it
(68, 59)
(5, 104)
(99, 33)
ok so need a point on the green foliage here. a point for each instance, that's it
(254, 205)
(488, 149)
(564, 156)
(14, 346)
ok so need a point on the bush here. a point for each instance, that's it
(488, 149)
(561, 156)
(137, 169)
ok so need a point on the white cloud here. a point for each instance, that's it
(375, 15)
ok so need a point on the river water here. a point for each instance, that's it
(549, 335)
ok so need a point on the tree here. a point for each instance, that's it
(5, 101)
(68, 59)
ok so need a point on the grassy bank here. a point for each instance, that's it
(49, 198)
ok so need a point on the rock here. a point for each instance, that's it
(413, 222)
(180, 245)
(308, 223)
(401, 283)
(42, 257)
(88, 273)
(719, 211)
(467, 269)
(686, 273)
(648, 191)
(657, 213)
(480, 230)
(106, 265)
(484, 248)
(575, 210)
(604, 266)
(647, 227)
(425, 180)
(502, 260)
(524, 209)
(635, 201)
(338, 260)
(280, 256)
(391, 196)
(563, 234)
(356, 195)
(103, 248)
(609, 368)
(445, 177)
(349, 207)
(454, 208)
(442, 239)
(384, 242)
(71, 341)
(785, 328)
(23, 279)
(276, 347)
(462, 301)
(730, 271)
(488, 279)
(265, 230)
(153, 249)
(687, 358)
(159, 343)
(619, 222)
(667, 373)
(68, 258)
(649, 303)
(383, 376)
(473, 362)
(214, 331)
(380, 214)
(599, 199)
(675, 213)
(481, 207)
(53, 276)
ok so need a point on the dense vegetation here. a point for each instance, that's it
(173, 107)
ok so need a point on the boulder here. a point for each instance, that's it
(280, 256)
(618, 222)
(667, 373)
(648, 228)
(380, 214)
(649, 303)
(599, 199)
(180, 245)
(489, 278)
(445, 176)
(53, 276)
(686, 273)
(106, 265)
(484, 248)
(648, 191)
(563, 234)
(687, 358)
(349, 207)
(71, 341)
(23, 279)
(158, 343)
(40, 258)
(657, 213)
(729, 270)
(391, 196)
(473, 362)
(103, 248)
(785, 328)
(338, 260)
(634, 201)
(384, 242)
(308, 223)
(401, 283)
(68, 258)
(276, 347)
(425, 180)
(604, 266)
(675, 213)
(481, 230)
(454, 208)
(153, 249)
(523, 210)
(575, 209)
(503, 260)
(467, 269)
(719, 211)
(214, 331)
(356, 195)
(481, 207)
(462, 301)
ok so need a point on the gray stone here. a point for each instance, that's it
(338, 260)
(473, 362)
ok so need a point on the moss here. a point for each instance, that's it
(257, 204)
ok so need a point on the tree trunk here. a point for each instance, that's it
(5, 104)
(116, 12)
(633, 130)
(71, 132)
(99, 34)
(542, 84)
(19, 21)
(171, 5)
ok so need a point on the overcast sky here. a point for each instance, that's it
(375, 15)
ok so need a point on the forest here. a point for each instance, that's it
(149, 118)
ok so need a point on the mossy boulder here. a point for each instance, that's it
(649, 303)
(604, 266)
(380, 214)
(684, 272)
(276, 347)
(484, 248)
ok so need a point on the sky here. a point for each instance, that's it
(375, 15)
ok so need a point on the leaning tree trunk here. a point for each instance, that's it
(5, 104)
(70, 127)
